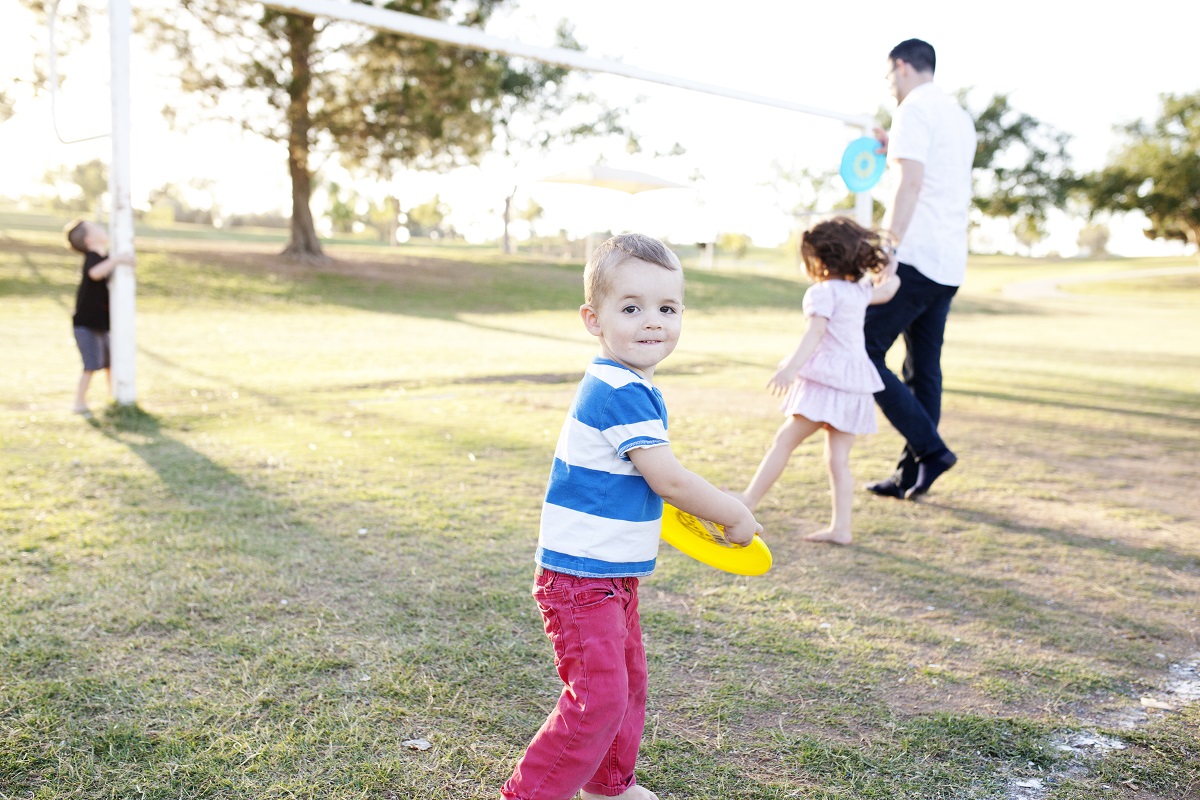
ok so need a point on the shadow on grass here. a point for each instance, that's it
(1159, 556)
(210, 490)
(1135, 398)
(709, 365)
(1004, 606)
(1002, 307)
(273, 400)
(433, 287)
(38, 284)
(1073, 355)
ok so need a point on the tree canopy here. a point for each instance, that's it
(1022, 166)
(81, 186)
(1157, 172)
(378, 100)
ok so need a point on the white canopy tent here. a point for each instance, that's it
(606, 177)
(602, 176)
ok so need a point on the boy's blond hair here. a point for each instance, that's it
(616, 251)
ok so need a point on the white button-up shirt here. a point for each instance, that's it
(931, 128)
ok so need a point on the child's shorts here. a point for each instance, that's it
(93, 346)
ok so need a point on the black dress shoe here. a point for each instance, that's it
(886, 488)
(929, 471)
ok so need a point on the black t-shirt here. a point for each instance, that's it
(91, 301)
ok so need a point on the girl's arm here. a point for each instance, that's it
(103, 269)
(885, 290)
(785, 376)
(688, 492)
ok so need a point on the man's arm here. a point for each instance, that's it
(900, 211)
(904, 202)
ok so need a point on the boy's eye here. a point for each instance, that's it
(629, 310)
(667, 310)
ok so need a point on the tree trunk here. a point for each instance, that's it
(303, 243)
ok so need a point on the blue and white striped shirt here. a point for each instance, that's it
(600, 517)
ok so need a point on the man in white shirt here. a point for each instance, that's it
(931, 148)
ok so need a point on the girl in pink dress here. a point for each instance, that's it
(829, 382)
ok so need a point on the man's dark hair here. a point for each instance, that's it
(916, 53)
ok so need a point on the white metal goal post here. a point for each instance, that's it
(122, 288)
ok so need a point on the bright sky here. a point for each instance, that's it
(1082, 71)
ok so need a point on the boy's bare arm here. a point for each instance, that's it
(103, 269)
(688, 492)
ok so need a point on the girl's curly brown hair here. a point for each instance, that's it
(841, 248)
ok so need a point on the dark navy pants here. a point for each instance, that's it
(913, 405)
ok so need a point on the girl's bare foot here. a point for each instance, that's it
(831, 536)
(635, 792)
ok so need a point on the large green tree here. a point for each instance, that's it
(1022, 168)
(85, 185)
(378, 100)
(1156, 172)
(560, 117)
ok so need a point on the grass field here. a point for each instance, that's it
(311, 543)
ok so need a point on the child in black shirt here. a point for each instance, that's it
(91, 303)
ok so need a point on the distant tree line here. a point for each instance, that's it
(380, 102)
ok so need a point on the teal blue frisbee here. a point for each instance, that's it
(862, 167)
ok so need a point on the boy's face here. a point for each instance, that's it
(96, 238)
(639, 317)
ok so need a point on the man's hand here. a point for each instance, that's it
(882, 136)
(890, 270)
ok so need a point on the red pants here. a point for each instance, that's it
(590, 741)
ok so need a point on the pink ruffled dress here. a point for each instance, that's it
(838, 382)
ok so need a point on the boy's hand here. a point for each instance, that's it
(743, 532)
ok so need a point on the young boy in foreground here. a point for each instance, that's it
(613, 468)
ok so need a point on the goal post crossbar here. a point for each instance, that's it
(438, 31)
(122, 288)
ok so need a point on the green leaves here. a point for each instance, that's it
(1024, 164)
(1157, 172)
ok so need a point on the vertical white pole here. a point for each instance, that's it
(862, 200)
(863, 209)
(122, 285)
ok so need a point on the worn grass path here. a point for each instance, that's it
(312, 543)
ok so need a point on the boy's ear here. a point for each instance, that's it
(591, 320)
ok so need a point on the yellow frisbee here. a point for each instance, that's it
(705, 541)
